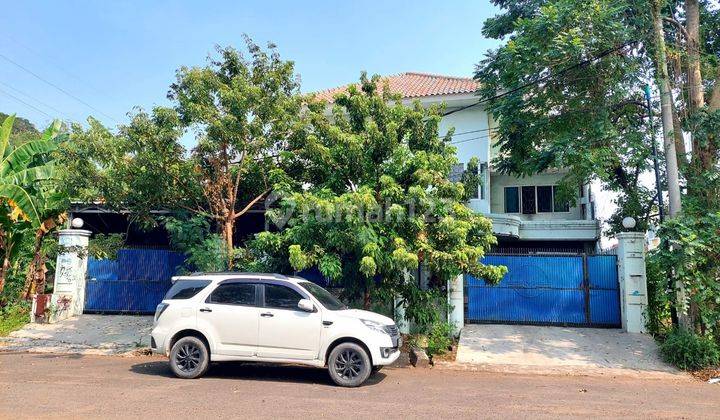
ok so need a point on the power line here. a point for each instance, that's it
(545, 78)
(26, 103)
(55, 86)
(53, 60)
(470, 139)
(36, 100)
(466, 132)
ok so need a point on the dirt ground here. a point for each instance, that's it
(87, 386)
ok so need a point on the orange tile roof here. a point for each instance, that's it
(415, 85)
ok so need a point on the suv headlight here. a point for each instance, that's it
(375, 326)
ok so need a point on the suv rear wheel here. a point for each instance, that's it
(189, 358)
(349, 365)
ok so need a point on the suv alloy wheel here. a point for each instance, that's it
(349, 365)
(189, 358)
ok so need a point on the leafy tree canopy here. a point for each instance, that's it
(573, 78)
(23, 130)
(374, 199)
(242, 108)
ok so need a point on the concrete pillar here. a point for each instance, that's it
(456, 303)
(400, 320)
(399, 309)
(633, 280)
(68, 297)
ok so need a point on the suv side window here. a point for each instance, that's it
(281, 297)
(233, 294)
(185, 289)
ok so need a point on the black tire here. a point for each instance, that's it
(349, 365)
(189, 358)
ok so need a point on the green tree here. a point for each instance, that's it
(374, 200)
(242, 108)
(573, 79)
(589, 117)
(243, 111)
(23, 130)
(89, 162)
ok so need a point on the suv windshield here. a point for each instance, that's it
(326, 298)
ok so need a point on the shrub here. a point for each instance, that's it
(440, 338)
(689, 351)
(209, 255)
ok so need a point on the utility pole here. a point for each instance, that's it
(658, 185)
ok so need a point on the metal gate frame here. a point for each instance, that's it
(588, 286)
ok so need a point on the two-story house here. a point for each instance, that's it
(524, 211)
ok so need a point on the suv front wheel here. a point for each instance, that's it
(189, 358)
(349, 365)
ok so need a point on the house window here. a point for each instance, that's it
(531, 199)
(560, 206)
(528, 200)
(544, 199)
(512, 200)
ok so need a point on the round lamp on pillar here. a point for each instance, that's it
(77, 223)
(628, 223)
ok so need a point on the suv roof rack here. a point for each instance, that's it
(230, 273)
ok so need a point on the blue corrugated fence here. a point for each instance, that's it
(545, 289)
(135, 282)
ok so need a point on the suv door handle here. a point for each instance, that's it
(205, 310)
(267, 314)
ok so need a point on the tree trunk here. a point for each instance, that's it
(366, 300)
(715, 96)
(3, 271)
(228, 229)
(673, 182)
(696, 92)
(663, 81)
(679, 140)
(35, 277)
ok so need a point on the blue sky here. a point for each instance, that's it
(107, 57)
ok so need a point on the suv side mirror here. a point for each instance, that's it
(306, 305)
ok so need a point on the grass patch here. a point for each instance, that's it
(13, 317)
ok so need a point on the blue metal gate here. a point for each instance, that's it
(135, 282)
(548, 290)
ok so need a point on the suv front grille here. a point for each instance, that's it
(392, 330)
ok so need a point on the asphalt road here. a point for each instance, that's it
(68, 386)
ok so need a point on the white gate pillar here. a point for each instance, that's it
(68, 298)
(456, 303)
(633, 280)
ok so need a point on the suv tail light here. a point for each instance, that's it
(160, 309)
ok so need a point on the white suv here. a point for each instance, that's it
(269, 318)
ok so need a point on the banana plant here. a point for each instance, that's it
(24, 201)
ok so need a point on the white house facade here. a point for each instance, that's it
(524, 211)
